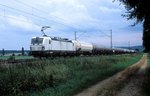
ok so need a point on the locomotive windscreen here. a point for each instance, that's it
(37, 40)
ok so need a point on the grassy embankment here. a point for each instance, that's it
(60, 76)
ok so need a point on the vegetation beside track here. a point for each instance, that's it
(60, 76)
(15, 57)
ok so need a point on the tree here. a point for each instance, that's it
(139, 10)
(22, 51)
(3, 51)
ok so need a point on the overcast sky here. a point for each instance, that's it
(20, 20)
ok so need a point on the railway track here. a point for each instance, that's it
(20, 61)
(24, 61)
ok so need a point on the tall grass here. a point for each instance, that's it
(60, 76)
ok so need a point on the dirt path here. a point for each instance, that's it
(120, 84)
(133, 87)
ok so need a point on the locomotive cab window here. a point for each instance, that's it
(37, 41)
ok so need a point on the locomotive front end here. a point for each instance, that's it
(36, 47)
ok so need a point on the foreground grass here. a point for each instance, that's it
(60, 76)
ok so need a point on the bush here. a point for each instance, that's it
(11, 58)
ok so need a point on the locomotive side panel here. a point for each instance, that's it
(63, 46)
(47, 44)
(55, 45)
(70, 46)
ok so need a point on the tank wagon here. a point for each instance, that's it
(46, 46)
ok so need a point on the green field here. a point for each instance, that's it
(15, 57)
(60, 76)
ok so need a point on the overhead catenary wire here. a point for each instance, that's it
(30, 6)
(43, 11)
(110, 36)
(5, 16)
(34, 15)
(104, 33)
(26, 21)
(2, 20)
(23, 12)
(45, 19)
(83, 35)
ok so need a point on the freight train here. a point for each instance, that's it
(46, 46)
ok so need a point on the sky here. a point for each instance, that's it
(92, 20)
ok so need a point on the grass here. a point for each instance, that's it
(60, 76)
(15, 57)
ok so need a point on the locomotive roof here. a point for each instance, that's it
(61, 39)
(55, 38)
